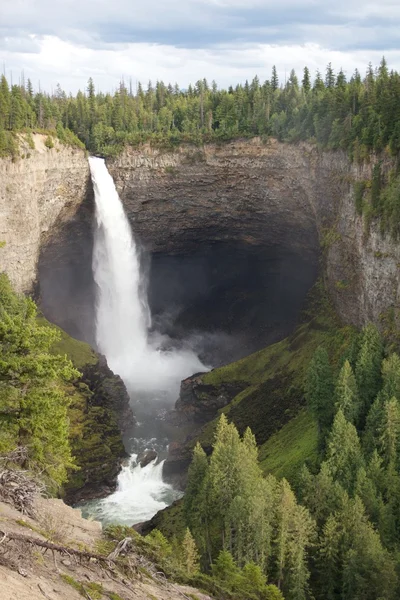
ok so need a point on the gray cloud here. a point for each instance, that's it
(231, 40)
(198, 23)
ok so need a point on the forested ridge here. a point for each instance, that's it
(335, 534)
(359, 114)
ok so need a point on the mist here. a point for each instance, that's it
(149, 362)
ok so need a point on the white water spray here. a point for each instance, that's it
(122, 312)
(141, 492)
(122, 323)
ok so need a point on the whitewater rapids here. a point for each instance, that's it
(148, 363)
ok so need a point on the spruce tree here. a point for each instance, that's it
(274, 79)
(320, 389)
(33, 382)
(346, 394)
(190, 554)
(368, 368)
(306, 81)
(343, 456)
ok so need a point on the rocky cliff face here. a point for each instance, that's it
(288, 198)
(363, 266)
(37, 193)
(271, 202)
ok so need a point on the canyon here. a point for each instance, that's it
(272, 205)
(233, 238)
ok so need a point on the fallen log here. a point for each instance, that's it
(27, 539)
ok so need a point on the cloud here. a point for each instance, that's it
(229, 40)
(71, 65)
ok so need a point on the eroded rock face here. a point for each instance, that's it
(363, 265)
(106, 417)
(282, 198)
(37, 192)
(276, 200)
(242, 191)
(199, 402)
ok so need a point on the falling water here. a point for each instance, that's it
(141, 492)
(143, 361)
(122, 312)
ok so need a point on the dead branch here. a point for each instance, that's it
(19, 489)
(26, 539)
(121, 548)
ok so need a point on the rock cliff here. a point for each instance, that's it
(273, 204)
(289, 198)
(37, 192)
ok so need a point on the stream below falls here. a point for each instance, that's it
(150, 364)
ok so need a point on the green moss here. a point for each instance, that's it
(91, 590)
(170, 521)
(286, 451)
(273, 379)
(78, 352)
(74, 583)
(341, 284)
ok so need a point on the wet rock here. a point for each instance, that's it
(146, 458)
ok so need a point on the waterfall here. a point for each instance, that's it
(151, 367)
(122, 312)
(141, 492)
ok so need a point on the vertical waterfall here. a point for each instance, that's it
(122, 312)
(122, 315)
(149, 365)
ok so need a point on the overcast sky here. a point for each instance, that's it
(67, 41)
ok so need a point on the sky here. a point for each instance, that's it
(229, 41)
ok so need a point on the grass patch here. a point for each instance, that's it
(92, 590)
(286, 451)
(273, 380)
(74, 583)
(78, 352)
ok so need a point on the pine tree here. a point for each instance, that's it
(274, 79)
(190, 554)
(5, 104)
(196, 507)
(329, 77)
(33, 399)
(320, 390)
(224, 568)
(346, 394)
(368, 368)
(344, 457)
(306, 81)
(329, 558)
(294, 535)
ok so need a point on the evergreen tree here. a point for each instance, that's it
(368, 368)
(196, 507)
(346, 394)
(190, 554)
(274, 79)
(320, 390)
(343, 457)
(33, 398)
(306, 81)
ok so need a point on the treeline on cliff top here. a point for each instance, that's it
(360, 114)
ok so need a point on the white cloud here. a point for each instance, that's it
(71, 65)
(67, 41)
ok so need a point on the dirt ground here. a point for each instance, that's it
(29, 573)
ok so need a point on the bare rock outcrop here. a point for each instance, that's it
(37, 191)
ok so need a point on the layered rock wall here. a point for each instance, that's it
(293, 198)
(288, 198)
(38, 191)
